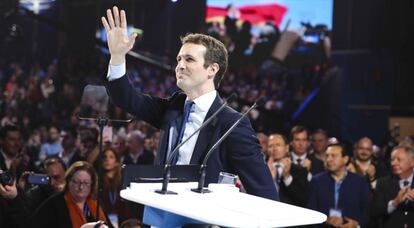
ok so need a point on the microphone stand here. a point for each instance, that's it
(167, 166)
(102, 121)
(200, 188)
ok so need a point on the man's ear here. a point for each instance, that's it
(212, 70)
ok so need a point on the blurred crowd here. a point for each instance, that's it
(354, 184)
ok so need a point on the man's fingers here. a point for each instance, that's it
(116, 16)
(105, 24)
(123, 19)
(110, 19)
(131, 40)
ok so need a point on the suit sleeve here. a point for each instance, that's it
(379, 202)
(147, 108)
(245, 156)
(313, 196)
(299, 188)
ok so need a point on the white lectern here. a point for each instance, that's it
(223, 206)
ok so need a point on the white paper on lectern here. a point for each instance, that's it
(223, 208)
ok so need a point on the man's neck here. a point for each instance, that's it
(8, 155)
(363, 163)
(192, 94)
(339, 175)
(405, 175)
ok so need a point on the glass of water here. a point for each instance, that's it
(227, 178)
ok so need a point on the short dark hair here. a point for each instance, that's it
(298, 129)
(343, 148)
(53, 160)
(216, 53)
(320, 131)
(6, 129)
(131, 223)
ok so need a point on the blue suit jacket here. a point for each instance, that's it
(353, 196)
(240, 153)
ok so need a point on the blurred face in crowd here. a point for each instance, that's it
(191, 74)
(119, 145)
(56, 172)
(402, 163)
(277, 148)
(319, 142)
(300, 143)
(68, 140)
(54, 134)
(80, 185)
(335, 162)
(109, 161)
(364, 149)
(11, 144)
(135, 143)
(263, 141)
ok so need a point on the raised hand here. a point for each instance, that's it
(119, 43)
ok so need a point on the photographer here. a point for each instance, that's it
(55, 170)
(12, 210)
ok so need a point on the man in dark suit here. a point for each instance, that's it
(136, 153)
(290, 179)
(341, 195)
(201, 64)
(300, 142)
(394, 195)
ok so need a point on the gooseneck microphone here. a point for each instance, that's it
(167, 166)
(200, 188)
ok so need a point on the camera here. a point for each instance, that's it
(38, 179)
(6, 178)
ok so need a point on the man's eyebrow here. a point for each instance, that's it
(185, 55)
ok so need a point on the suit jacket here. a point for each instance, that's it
(386, 190)
(240, 153)
(2, 162)
(298, 191)
(353, 196)
(53, 212)
(146, 158)
(317, 165)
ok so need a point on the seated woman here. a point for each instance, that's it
(116, 208)
(76, 204)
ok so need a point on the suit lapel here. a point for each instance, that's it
(204, 140)
(171, 120)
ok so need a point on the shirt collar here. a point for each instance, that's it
(409, 179)
(204, 102)
(295, 156)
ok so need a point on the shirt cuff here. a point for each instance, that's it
(390, 208)
(116, 71)
(288, 180)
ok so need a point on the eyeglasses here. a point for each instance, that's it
(80, 183)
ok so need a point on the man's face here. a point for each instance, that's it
(54, 134)
(319, 142)
(277, 148)
(300, 143)
(134, 143)
(334, 159)
(12, 143)
(190, 71)
(402, 163)
(56, 172)
(364, 150)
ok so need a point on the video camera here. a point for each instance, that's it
(6, 177)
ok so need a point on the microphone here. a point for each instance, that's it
(200, 188)
(167, 166)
